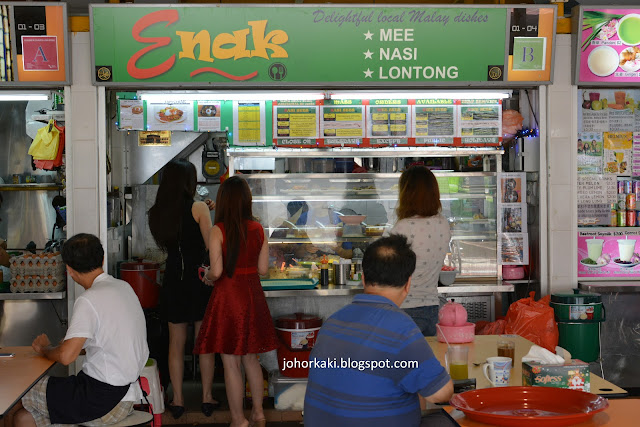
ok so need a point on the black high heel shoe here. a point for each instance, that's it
(176, 411)
(208, 408)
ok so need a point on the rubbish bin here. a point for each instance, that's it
(579, 316)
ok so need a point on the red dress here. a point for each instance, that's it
(237, 319)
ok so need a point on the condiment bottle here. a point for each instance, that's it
(324, 271)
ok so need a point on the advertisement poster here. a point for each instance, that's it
(596, 194)
(297, 121)
(617, 153)
(342, 121)
(609, 110)
(609, 252)
(170, 116)
(480, 121)
(385, 121)
(434, 121)
(513, 245)
(590, 152)
(249, 123)
(131, 114)
(209, 115)
(608, 46)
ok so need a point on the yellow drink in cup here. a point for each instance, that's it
(459, 371)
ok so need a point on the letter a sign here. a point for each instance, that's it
(40, 53)
(529, 53)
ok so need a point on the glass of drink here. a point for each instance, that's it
(594, 248)
(626, 248)
(457, 361)
(507, 348)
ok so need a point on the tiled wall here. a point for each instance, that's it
(562, 175)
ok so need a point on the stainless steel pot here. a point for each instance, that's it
(341, 273)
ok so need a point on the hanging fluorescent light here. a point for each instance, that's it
(423, 95)
(24, 96)
(172, 96)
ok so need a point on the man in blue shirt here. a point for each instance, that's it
(371, 361)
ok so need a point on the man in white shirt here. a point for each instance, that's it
(108, 323)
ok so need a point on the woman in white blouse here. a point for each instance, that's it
(420, 220)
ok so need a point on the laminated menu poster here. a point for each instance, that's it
(609, 252)
(131, 115)
(209, 116)
(342, 124)
(609, 110)
(388, 120)
(295, 121)
(617, 153)
(480, 121)
(590, 153)
(513, 249)
(596, 194)
(249, 123)
(434, 121)
(512, 219)
(170, 116)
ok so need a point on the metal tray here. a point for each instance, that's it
(288, 284)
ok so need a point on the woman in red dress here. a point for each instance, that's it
(237, 323)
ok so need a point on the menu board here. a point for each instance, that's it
(209, 113)
(342, 123)
(596, 194)
(385, 121)
(170, 116)
(480, 121)
(609, 46)
(131, 115)
(617, 153)
(295, 121)
(434, 121)
(609, 252)
(249, 123)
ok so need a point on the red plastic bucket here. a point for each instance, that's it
(142, 276)
(299, 331)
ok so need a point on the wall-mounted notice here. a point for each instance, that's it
(154, 138)
(131, 113)
(609, 110)
(617, 153)
(342, 124)
(608, 48)
(209, 113)
(170, 116)
(434, 121)
(596, 194)
(249, 123)
(513, 245)
(609, 252)
(388, 120)
(590, 152)
(480, 121)
(295, 121)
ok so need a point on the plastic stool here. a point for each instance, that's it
(155, 393)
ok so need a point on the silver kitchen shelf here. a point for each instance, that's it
(335, 290)
(28, 296)
(363, 152)
(31, 187)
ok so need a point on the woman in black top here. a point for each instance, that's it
(181, 228)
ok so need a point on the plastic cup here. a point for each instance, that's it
(457, 361)
(626, 248)
(594, 248)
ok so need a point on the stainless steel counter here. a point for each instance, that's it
(336, 290)
(610, 287)
(22, 296)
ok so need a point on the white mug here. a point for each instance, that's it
(497, 370)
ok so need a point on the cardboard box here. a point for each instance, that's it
(574, 375)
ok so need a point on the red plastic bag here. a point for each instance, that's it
(490, 328)
(533, 320)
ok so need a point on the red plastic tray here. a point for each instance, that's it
(529, 406)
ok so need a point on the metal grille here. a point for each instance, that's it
(478, 307)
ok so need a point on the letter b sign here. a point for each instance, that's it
(529, 53)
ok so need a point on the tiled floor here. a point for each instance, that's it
(222, 417)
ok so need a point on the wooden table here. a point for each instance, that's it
(487, 346)
(18, 374)
(620, 413)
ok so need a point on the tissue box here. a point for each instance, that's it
(574, 375)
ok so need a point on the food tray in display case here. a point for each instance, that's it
(288, 284)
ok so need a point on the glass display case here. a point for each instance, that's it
(318, 211)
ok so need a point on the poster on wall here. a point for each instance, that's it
(249, 123)
(158, 138)
(596, 194)
(608, 46)
(295, 122)
(609, 252)
(617, 153)
(342, 124)
(170, 116)
(480, 121)
(590, 151)
(512, 219)
(209, 113)
(609, 110)
(388, 120)
(434, 121)
(131, 114)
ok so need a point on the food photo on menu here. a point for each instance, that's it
(174, 116)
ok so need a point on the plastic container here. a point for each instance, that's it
(447, 277)
(142, 276)
(298, 331)
(456, 334)
(579, 316)
(289, 393)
